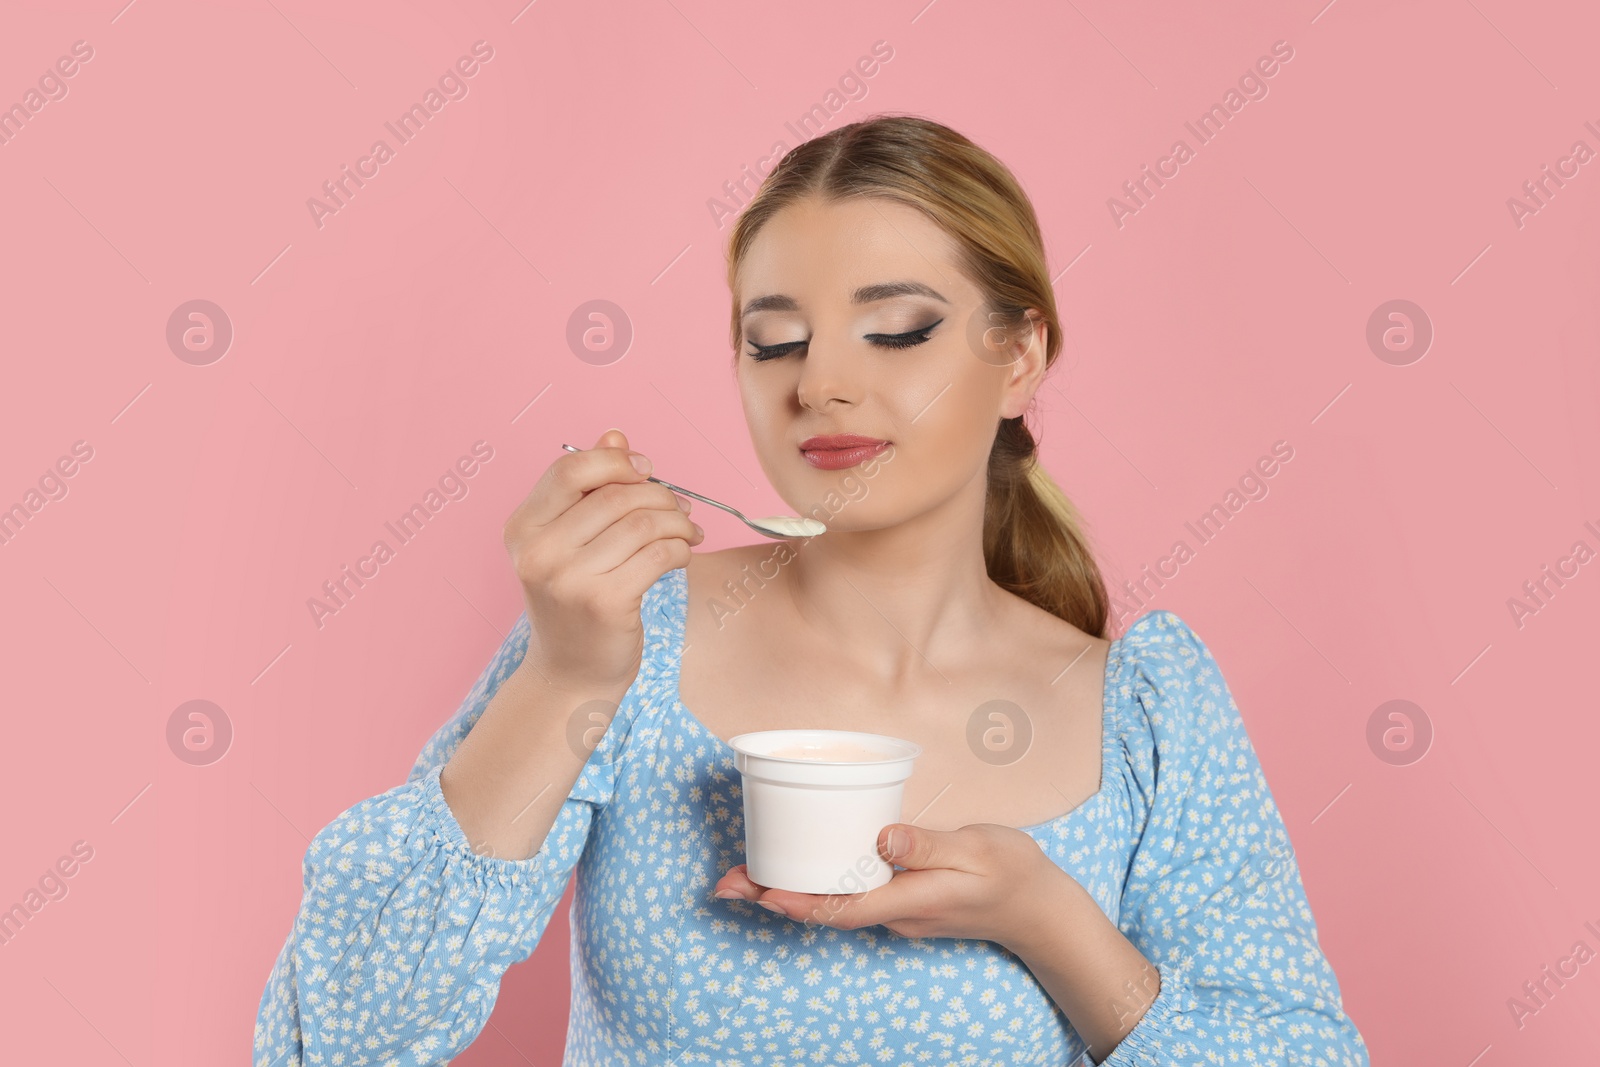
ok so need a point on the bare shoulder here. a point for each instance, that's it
(736, 573)
(1043, 637)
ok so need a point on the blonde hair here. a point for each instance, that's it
(1033, 541)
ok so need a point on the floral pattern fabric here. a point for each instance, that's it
(403, 933)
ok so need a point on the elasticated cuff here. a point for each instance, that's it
(1147, 1043)
(439, 826)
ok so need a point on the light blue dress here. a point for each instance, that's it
(404, 932)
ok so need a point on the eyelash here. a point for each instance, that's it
(763, 353)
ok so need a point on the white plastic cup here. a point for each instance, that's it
(811, 824)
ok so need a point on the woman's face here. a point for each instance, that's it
(833, 343)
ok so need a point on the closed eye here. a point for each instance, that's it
(763, 353)
(903, 340)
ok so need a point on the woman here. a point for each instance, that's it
(1093, 868)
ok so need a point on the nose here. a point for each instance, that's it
(829, 372)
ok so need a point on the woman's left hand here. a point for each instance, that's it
(983, 881)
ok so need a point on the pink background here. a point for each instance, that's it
(431, 311)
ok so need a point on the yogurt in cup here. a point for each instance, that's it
(814, 802)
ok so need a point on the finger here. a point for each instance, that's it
(573, 474)
(847, 911)
(612, 523)
(600, 507)
(633, 533)
(737, 881)
(916, 848)
(866, 907)
(643, 541)
(653, 560)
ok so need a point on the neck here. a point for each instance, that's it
(900, 602)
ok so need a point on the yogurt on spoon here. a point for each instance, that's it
(790, 526)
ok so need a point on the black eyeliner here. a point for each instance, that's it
(909, 339)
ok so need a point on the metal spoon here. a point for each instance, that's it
(781, 526)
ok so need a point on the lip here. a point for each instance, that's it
(838, 451)
(831, 441)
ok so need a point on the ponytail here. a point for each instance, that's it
(1033, 539)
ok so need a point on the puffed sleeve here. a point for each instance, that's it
(1214, 898)
(404, 931)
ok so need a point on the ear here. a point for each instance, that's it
(1026, 349)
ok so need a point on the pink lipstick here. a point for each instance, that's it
(834, 452)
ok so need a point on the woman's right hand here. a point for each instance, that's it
(588, 542)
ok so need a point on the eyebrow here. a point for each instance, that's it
(867, 294)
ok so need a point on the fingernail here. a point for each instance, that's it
(899, 843)
(697, 529)
(641, 463)
(770, 906)
(727, 894)
(684, 504)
